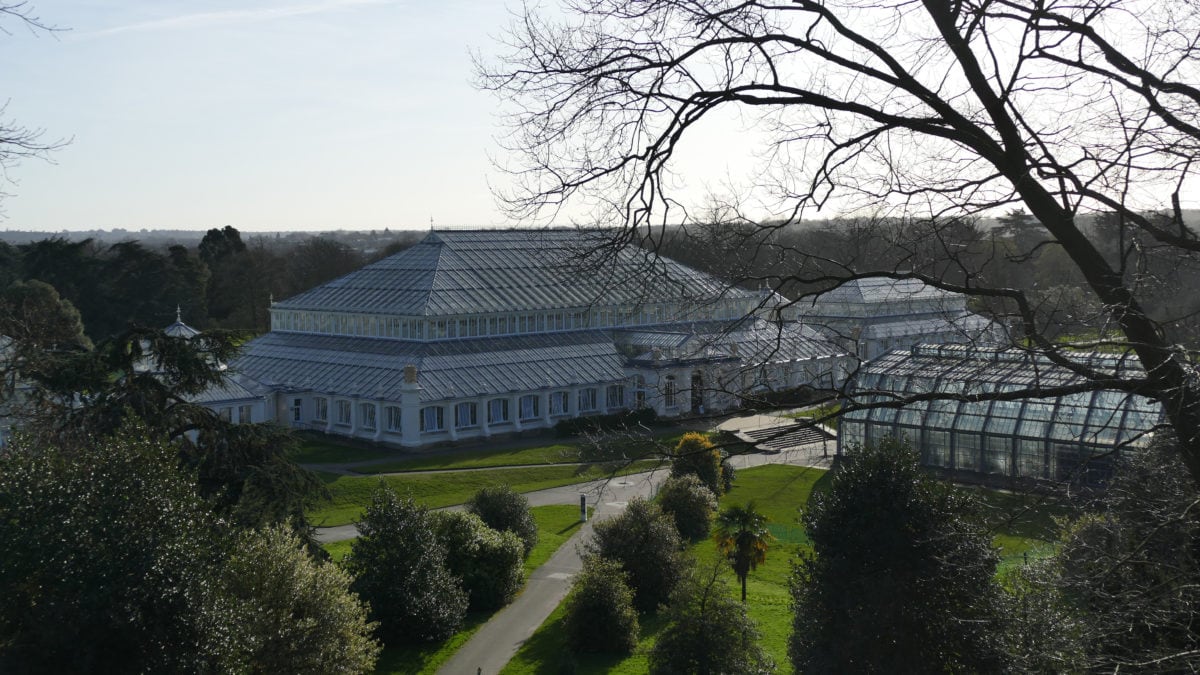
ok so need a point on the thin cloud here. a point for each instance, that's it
(230, 17)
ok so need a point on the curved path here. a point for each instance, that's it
(498, 640)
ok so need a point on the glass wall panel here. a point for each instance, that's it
(997, 454)
(935, 448)
(966, 451)
(1031, 458)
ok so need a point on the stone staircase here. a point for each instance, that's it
(785, 436)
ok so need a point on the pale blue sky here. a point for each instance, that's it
(265, 115)
(270, 114)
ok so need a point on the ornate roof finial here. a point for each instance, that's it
(178, 315)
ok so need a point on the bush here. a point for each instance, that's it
(293, 614)
(502, 508)
(598, 615)
(709, 632)
(697, 456)
(594, 424)
(646, 544)
(400, 569)
(690, 505)
(487, 561)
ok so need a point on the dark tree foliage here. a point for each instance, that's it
(1130, 570)
(900, 578)
(689, 504)
(220, 244)
(598, 614)
(400, 569)
(645, 542)
(246, 473)
(695, 454)
(505, 509)
(110, 559)
(709, 632)
(487, 561)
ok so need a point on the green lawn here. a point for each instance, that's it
(351, 494)
(778, 491)
(558, 453)
(321, 449)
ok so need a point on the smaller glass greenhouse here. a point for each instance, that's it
(1063, 438)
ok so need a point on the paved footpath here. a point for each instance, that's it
(498, 640)
(490, 649)
(495, 643)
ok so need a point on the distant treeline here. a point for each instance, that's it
(224, 282)
(1013, 251)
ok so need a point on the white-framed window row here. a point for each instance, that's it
(321, 409)
(395, 418)
(558, 403)
(529, 407)
(498, 411)
(466, 415)
(587, 400)
(366, 415)
(345, 413)
(433, 419)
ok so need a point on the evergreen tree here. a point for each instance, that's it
(400, 569)
(901, 576)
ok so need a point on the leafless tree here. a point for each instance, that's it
(934, 110)
(19, 142)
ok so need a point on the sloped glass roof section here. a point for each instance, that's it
(452, 273)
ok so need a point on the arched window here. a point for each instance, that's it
(465, 415)
(433, 418)
(394, 418)
(366, 413)
(529, 406)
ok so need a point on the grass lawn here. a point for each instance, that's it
(351, 494)
(778, 491)
(321, 449)
(558, 453)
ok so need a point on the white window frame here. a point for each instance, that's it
(588, 400)
(558, 402)
(614, 396)
(395, 418)
(466, 415)
(366, 413)
(345, 413)
(498, 412)
(245, 414)
(433, 419)
(670, 392)
(529, 406)
(321, 414)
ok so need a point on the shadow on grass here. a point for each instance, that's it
(416, 659)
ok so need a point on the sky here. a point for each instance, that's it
(265, 115)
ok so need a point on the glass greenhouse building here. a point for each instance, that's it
(1065, 438)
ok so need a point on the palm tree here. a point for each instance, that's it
(742, 537)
